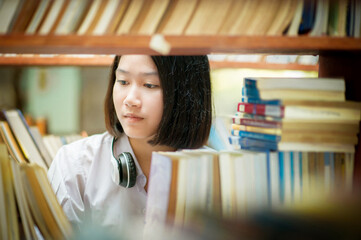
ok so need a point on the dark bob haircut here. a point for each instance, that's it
(187, 113)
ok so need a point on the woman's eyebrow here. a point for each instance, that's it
(142, 73)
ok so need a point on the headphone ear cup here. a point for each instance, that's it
(128, 173)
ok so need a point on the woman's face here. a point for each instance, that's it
(138, 96)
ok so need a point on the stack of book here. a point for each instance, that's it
(295, 114)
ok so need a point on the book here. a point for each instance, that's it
(283, 18)
(24, 16)
(321, 18)
(50, 19)
(38, 138)
(248, 143)
(177, 17)
(296, 20)
(250, 121)
(130, 17)
(208, 17)
(262, 19)
(106, 17)
(348, 111)
(44, 217)
(255, 135)
(296, 94)
(9, 219)
(23, 135)
(233, 18)
(174, 201)
(324, 84)
(89, 18)
(7, 13)
(11, 142)
(61, 11)
(150, 17)
(118, 16)
(274, 131)
(71, 16)
(37, 17)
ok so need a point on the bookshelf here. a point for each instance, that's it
(338, 56)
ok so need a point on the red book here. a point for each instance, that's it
(256, 122)
(261, 109)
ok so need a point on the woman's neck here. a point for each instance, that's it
(143, 152)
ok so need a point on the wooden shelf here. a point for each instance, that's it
(180, 45)
(106, 60)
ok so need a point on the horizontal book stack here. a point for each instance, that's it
(236, 184)
(187, 17)
(295, 114)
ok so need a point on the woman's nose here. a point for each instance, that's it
(133, 98)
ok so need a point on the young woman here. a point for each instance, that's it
(153, 103)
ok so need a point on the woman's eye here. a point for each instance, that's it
(149, 85)
(122, 82)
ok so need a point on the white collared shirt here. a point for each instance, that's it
(81, 177)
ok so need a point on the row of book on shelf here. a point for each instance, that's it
(226, 17)
(30, 207)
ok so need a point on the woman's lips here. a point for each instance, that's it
(132, 118)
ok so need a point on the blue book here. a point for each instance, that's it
(250, 92)
(262, 136)
(281, 177)
(260, 101)
(246, 142)
(308, 16)
(250, 83)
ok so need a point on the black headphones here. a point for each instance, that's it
(124, 169)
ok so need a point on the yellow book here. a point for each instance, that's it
(274, 131)
(130, 16)
(11, 229)
(150, 17)
(208, 17)
(177, 17)
(296, 94)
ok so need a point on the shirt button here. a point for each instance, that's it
(143, 211)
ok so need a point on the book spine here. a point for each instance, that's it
(257, 122)
(250, 143)
(261, 101)
(261, 136)
(261, 109)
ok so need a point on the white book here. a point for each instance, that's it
(287, 179)
(324, 84)
(24, 137)
(89, 17)
(275, 182)
(227, 177)
(240, 162)
(51, 17)
(39, 13)
(70, 17)
(7, 11)
(296, 21)
(297, 173)
(106, 17)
